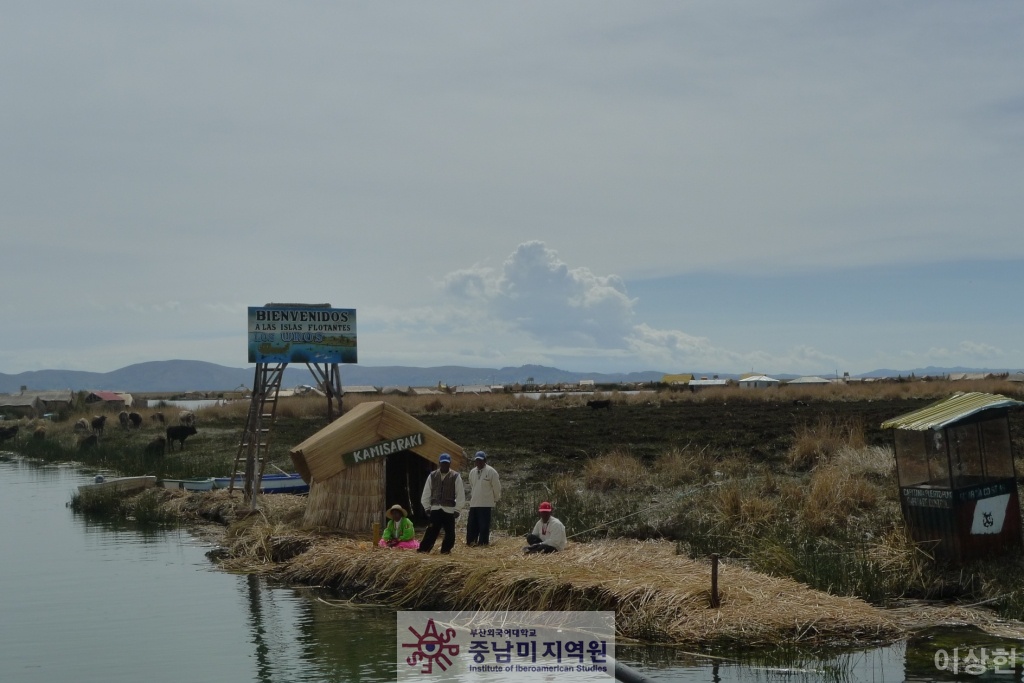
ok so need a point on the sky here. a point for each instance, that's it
(798, 187)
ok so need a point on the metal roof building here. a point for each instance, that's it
(958, 485)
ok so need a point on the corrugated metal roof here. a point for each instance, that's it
(813, 379)
(949, 410)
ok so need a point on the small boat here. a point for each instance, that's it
(189, 484)
(122, 484)
(271, 483)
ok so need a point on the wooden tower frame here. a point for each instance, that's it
(254, 446)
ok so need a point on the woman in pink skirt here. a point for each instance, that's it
(399, 533)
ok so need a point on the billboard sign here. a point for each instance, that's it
(297, 334)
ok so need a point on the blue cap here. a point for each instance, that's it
(445, 458)
(480, 455)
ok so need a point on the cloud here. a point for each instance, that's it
(536, 305)
(540, 294)
(965, 351)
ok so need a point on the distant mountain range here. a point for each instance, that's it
(181, 376)
(192, 375)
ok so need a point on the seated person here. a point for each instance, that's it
(399, 533)
(548, 533)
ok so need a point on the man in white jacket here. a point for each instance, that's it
(485, 492)
(548, 533)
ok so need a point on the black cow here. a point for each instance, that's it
(179, 433)
(8, 432)
(135, 420)
(598, 405)
(156, 447)
(97, 423)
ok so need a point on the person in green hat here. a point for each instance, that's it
(399, 532)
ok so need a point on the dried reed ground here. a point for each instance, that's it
(657, 595)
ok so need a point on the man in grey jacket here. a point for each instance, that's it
(485, 492)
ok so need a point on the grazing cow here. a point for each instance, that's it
(179, 433)
(87, 442)
(39, 434)
(82, 426)
(187, 418)
(158, 417)
(97, 423)
(122, 417)
(8, 433)
(602, 404)
(135, 420)
(156, 447)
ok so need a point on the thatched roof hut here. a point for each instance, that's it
(369, 459)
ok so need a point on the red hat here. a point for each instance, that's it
(544, 507)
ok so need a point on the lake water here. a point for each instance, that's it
(92, 602)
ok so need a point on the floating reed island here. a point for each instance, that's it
(657, 595)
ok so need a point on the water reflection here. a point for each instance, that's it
(296, 635)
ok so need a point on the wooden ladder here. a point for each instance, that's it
(254, 446)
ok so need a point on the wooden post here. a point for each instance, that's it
(714, 580)
(376, 534)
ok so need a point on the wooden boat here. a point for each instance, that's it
(120, 484)
(271, 483)
(189, 484)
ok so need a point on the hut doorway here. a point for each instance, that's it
(405, 474)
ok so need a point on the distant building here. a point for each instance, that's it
(36, 403)
(813, 379)
(681, 378)
(358, 389)
(105, 400)
(473, 389)
(16, 405)
(758, 382)
(704, 383)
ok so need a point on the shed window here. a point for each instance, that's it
(965, 455)
(912, 467)
(995, 439)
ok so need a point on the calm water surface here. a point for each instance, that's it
(90, 602)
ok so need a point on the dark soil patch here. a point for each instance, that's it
(540, 442)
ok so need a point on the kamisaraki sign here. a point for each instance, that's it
(379, 450)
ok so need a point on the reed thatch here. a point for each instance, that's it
(351, 497)
(318, 457)
(349, 501)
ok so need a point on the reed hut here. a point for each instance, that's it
(369, 459)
